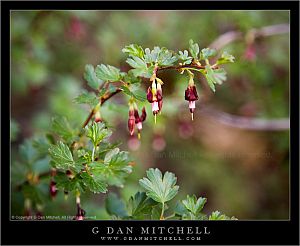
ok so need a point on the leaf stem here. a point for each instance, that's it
(93, 154)
(162, 212)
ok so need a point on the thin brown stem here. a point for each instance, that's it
(181, 66)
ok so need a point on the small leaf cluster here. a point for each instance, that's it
(151, 203)
(89, 162)
(105, 78)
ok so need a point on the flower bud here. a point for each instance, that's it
(52, 189)
(98, 117)
(131, 122)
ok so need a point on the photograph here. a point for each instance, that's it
(149, 123)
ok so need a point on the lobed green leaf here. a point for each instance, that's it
(93, 183)
(97, 132)
(159, 188)
(62, 127)
(225, 58)
(62, 157)
(115, 206)
(207, 53)
(134, 50)
(194, 49)
(108, 73)
(91, 78)
(87, 98)
(214, 76)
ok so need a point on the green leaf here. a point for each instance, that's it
(33, 193)
(115, 206)
(194, 49)
(155, 212)
(207, 53)
(165, 57)
(225, 58)
(87, 98)
(214, 76)
(110, 154)
(97, 132)
(114, 170)
(152, 56)
(184, 56)
(130, 78)
(134, 50)
(139, 65)
(159, 188)
(107, 73)
(216, 215)
(62, 127)
(69, 184)
(193, 205)
(27, 152)
(161, 56)
(135, 91)
(41, 144)
(140, 205)
(91, 78)
(62, 157)
(94, 184)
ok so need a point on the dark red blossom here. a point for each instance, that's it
(191, 95)
(131, 121)
(52, 189)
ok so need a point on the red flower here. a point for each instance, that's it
(191, 95)
(131, 121)
(52, 189)
(139, 119)
(154, 96)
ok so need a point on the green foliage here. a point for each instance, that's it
(194, 49)
(151, 204)
(134, 91)
(219, 216)
(207, 53)
(62, 157)
(216, 76)
(134, 50)
(115, 206)
(94, 183)
(84, 159)
(159, 188)
(140, 205)
(87, 98)
(140, 67)
(114, 168)
(62, 128)
(97, 132)
(91, 78)
(225, 58)
(184, 56)
(193, 205)
(110, 167)
(107, 73)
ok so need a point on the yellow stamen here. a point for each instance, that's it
(139, 135)
(192, 116)
(155, 118)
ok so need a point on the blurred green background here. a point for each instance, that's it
(242, 173)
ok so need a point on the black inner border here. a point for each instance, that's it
(222, 232)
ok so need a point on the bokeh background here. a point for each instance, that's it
(243, 173)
